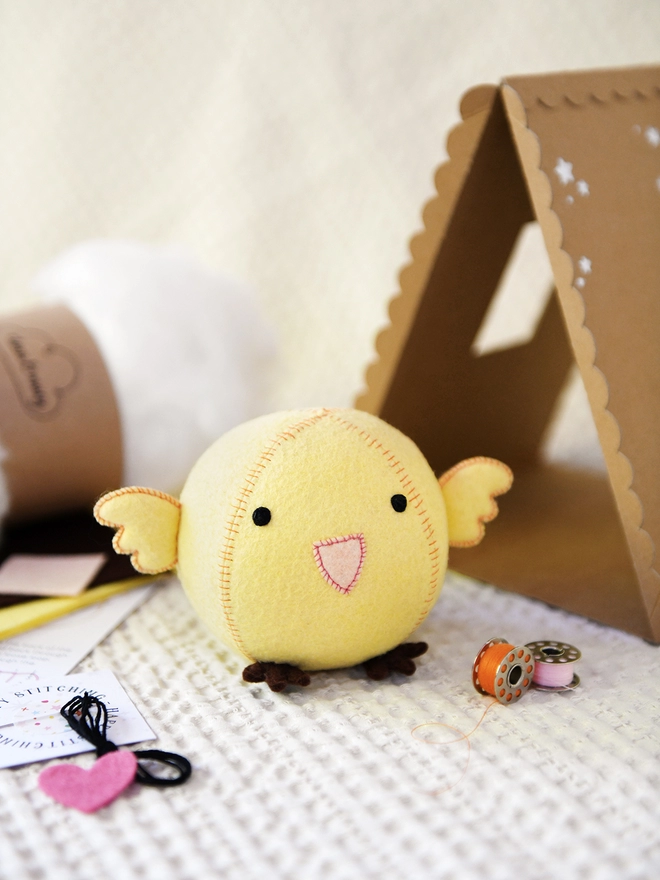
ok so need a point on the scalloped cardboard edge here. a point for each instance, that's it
(573, 539)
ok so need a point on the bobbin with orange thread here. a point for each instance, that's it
(503, 671)
(554, 665)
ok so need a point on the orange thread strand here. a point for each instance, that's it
(461, 736)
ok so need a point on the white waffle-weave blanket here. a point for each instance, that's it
(329, 782)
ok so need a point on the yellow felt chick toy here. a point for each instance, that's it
(310, 540)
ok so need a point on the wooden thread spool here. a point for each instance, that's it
(554, 670)
(503, 671)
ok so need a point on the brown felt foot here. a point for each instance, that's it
(276, 675)
(397, 660)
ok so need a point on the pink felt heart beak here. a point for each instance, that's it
(89, 790)
(340, 560)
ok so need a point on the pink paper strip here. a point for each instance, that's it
(65, 575)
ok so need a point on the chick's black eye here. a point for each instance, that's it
(261, 516)
(399, 503)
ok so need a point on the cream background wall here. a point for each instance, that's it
(289, 143)
(293, 144)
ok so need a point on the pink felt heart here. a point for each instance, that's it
(89, 790)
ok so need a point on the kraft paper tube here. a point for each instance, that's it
(59, 423)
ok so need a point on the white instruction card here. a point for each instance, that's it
(32, 728)
(56, 647)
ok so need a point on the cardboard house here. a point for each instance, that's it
(580, 154)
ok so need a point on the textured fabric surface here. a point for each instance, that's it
(329, 782)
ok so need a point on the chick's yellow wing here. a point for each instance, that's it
(469, 490)
(147, 523)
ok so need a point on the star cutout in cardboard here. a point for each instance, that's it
(564, 171)
(652, 136)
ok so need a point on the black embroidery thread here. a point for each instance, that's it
(88, 717)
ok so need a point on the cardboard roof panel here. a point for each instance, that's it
(462, 143)
(432, 397)
(579, 86)
(597, 149)
(581, 153)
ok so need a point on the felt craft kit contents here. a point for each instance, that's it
(88, 790)
(575, 157)
(32, 729)
(310, 540)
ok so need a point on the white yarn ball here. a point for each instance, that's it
(189, 353)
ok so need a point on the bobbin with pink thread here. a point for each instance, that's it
(554, 669)
(503, 671)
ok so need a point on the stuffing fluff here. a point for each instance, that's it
(189, 353)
